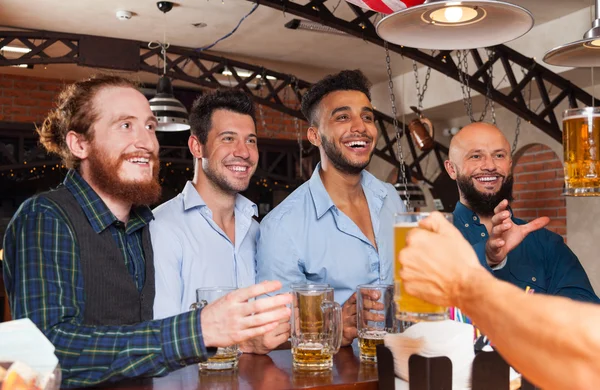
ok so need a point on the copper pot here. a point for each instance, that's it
(421, 130)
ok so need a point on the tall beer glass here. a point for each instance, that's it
(225, 358)
(375, 317)
(581, 140)
(316, 327)
(409, 308)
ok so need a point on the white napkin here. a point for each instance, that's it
(431, 339)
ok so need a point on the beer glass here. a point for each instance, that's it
(409, 308)
(316, 326)
(375, 317)
(225, 358)
(581, 140)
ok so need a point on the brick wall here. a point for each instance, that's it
(538, 186)
(28, 99)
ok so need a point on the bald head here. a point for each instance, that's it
(477, 136)
(479, 160)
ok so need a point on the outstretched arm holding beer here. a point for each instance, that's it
(233, 320)
(553, 341)
(506, 235)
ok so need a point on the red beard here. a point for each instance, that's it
(104, 174)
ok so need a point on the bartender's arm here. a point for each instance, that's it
(553, 341)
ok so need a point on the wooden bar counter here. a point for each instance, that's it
(266, 372)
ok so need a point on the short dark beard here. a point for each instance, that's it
(104, 173)
(480, 203)
(339, 161)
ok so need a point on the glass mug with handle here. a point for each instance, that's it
(581, 143)
(375, 317)
(316, 326)
(226, 358)
(409, 308)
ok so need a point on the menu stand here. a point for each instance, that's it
(490, 372)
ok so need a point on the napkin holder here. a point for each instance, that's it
(490, 372)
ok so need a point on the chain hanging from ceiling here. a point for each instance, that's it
(463, 73)
(399, 151)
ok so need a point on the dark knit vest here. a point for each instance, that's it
(111, 296)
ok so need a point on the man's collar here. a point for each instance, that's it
(96, 211)
(192, 199)
(322, 200)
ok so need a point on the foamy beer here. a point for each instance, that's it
(225, 358)
(375, 317)
(581, 140)
(409, 308)
(316, 327)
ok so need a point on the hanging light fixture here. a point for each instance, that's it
(583, 53)
(170, 113)
(455, 25)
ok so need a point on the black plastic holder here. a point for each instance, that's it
(490, 372)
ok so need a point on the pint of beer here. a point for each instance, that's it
(375, 317)
(409, 308)
(316, 327)
(581, 140)
(225, 358)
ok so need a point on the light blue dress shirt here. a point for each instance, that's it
(307, 238)
(192, 251)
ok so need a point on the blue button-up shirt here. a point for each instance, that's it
(192, 251)
(307, 238)
(542, 262)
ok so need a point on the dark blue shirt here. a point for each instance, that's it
(542, 262)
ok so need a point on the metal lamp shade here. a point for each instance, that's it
(170, 113)
(457, 25)
(585, 53)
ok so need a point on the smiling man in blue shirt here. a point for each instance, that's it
(205, 236)
(539, 260)
(337, 227)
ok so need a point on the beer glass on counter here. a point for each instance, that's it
(409, 308)
(581, 140)
(316, 326)
(375, 317)
(225, 358)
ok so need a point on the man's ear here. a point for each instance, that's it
(451, 169)
(313, 136)
(195, 147)
(78, 145)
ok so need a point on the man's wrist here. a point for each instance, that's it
(471, 287)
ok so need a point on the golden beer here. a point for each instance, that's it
(312, 356)
(410, 308)
(581, 143)
(367, 344)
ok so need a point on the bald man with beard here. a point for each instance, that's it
(524, 254)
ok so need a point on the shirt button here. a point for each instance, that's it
(182, 363)
(474, 218)
(466, 225)
(533, 279)
(482, 234)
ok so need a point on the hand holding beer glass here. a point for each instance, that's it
(225, 358)
(375, 316)
(409, 308)
(316, 327)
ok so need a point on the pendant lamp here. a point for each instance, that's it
(456, 25)
(170, 112)
(583, 53)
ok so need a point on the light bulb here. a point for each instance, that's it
(453, 14)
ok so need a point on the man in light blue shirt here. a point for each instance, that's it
(337, 227)
(206, 236)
